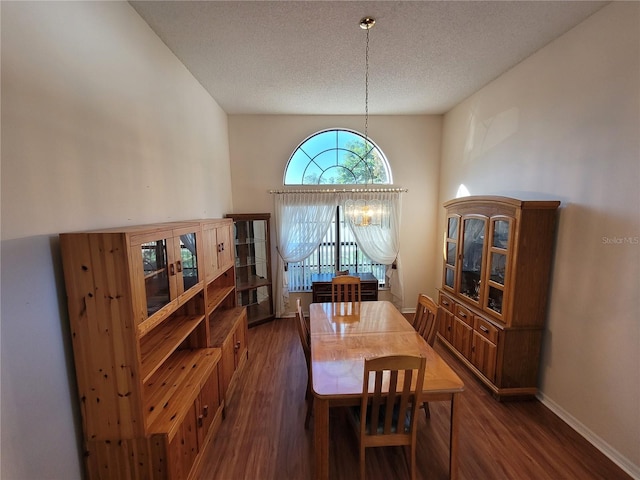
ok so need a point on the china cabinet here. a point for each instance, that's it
(142, 304)
(495, 281)
(252, 243)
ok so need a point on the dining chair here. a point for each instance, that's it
(305, 340)
(387, 415)
(425, 323)
(346, 288)
(425, 320)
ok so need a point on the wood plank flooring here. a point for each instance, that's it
(263, 435)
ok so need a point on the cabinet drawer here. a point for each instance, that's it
(445, 302)
(463, 314)
(486, 329)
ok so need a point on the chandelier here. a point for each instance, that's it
(367, 212)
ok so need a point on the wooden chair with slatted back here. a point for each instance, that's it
(391, 392)
(425, 323)
(425, 320)
(346, 288)
(305, 341)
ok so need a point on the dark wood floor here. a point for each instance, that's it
(263, 435)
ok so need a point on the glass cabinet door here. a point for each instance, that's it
(500, 237)
(253, 276)
(473, 238)
(251, 253)
(451, 252)
(187, 263)
(155, 263)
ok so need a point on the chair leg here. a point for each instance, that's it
(309, 398)
(425, 405)
(413, 460)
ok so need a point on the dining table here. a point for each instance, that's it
(342, 336)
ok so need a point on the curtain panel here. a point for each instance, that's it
(381, 243)
(302, 220)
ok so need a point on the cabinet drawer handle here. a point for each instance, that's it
(484, 329)
(205, 410)
(445, 303)
(237, 346)
(200, 420)
(179, 266)
(172, 269)
(463, 315)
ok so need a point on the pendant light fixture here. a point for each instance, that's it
(366, 24)
(361, 212)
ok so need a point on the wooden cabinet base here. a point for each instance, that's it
(229, 332)
(145, 458)
(501, 394)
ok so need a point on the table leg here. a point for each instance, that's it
(321, 437)
(453, 440)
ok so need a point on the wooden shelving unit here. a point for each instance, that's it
(152, 380)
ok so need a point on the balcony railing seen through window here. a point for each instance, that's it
(337, 251)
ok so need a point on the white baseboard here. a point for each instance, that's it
(615, 456)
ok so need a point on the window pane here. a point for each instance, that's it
(363, 164)
(326, 159)
(323, 259)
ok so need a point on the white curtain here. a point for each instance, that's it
(301, 219)
(381, 243)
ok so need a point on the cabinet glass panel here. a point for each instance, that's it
(449, 277)
(452, 227)
(498, 267)
(251, 253)
(494, 301)
(189, 263)
(472, 248)
(156, 275)
(257, 301)
(500, 233)
(451, 253)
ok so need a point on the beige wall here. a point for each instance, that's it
(565, 124)
(260, 147)
(101, 126)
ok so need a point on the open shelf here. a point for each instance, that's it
(216, 295)
(254, 281)
(162, 341)
(223, 322)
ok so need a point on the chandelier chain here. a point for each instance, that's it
(366, 94)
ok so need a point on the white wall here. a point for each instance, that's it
(101, 126)
(565, 124)
(260, 146)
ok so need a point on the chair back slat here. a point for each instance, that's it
(394, 396)
(346, 288)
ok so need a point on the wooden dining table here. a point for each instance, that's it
(342, 336)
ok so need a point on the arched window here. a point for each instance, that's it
(328, 158)
(337, 157)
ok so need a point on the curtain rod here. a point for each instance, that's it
(344, 190)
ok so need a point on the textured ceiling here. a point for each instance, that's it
(308, 57)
